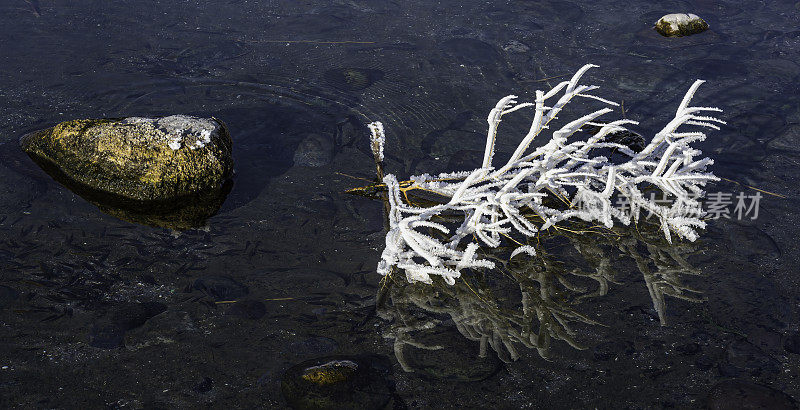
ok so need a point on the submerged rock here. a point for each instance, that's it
(338, 382)
(792, 343)
(680, 24)
(221, 288)
(109, 331)
(515, 46)
(171, 171)
(314, 151)
(144, 159)
(472, 51)
(204, 386)
(628, 138)
(352, 79)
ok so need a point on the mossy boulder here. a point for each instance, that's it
(144, 159)
(169, 171)
(680, 24)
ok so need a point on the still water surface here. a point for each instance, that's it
(96, 311)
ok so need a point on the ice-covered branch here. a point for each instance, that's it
(522, 197)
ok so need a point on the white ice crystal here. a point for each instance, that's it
(493, 202)
(178, 130)
(377, 139)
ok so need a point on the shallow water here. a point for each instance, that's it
(96, 311)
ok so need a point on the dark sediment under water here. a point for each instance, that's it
(96, 311)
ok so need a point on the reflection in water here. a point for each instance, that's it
(530, 301)
(189, 212)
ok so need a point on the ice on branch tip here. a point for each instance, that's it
(377, 139)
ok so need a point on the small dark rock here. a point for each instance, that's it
(704, 362)
(220, 287)
(352, 79)
(629, 139)
(105, 335)
(515, 46)
(691, 348)
(204, 386)
(319, 204)
(464, 160)
(741, 394)
(792, 343)
(314, 151)
(248, 309)
(472, 51)
(109, 331)
(132, 315)
(726, 369)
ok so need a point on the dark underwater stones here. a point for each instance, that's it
(792, 343)
(204, 386)
(220, 288)
(627, 138)
(106, 335)
(514, 46)
(132, 315)
(314, 151)
(352, 79)
(465, 159)
(472, 51)
(689, 349)
(109, 331)
(319, 205)
(630, 139)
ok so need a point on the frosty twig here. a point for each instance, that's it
(493, 203)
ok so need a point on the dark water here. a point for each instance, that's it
(95, 311)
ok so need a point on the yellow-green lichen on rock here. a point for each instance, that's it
(680, 24)
(145, 170)
(338, 382)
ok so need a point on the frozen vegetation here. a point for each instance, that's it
(571, 178)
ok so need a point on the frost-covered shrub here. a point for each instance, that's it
(539, 188)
